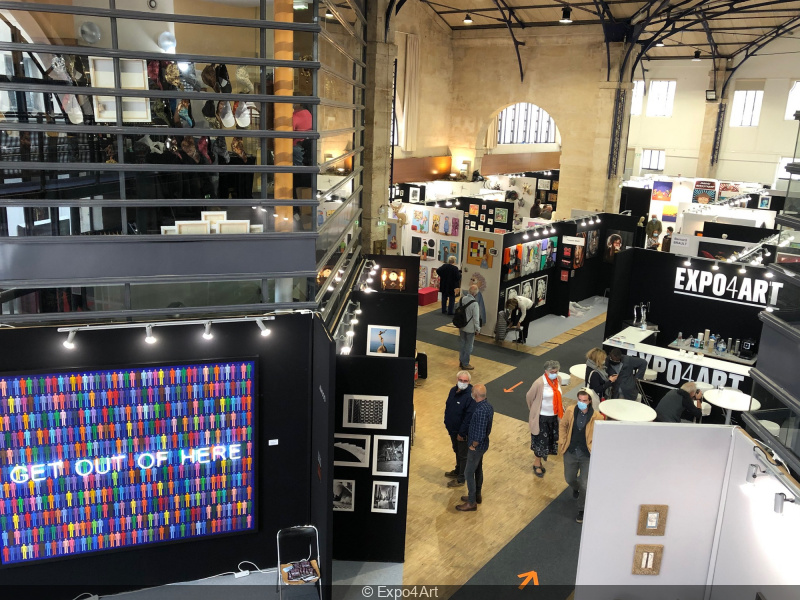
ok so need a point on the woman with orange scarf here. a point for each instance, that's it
(546, 408)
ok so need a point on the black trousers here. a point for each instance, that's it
(460, 449)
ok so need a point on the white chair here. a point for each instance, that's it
(650, 375)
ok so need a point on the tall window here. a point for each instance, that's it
(746, 108)
(637, 98)
(660, 98)
(793, 104)
(525, 123)
(653, 160)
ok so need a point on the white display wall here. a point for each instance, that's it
(438, 231)
(719, 530)
(481, 263)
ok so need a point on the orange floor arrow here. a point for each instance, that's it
(511, 389)
(528, 576)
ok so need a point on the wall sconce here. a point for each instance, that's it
(711, 95)
(90, 32)
(780, 498)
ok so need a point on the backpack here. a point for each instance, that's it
(460, 315)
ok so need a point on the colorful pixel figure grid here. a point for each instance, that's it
(99, 460)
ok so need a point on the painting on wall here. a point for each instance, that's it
(578, 254)
(435, 219)
(669, 214)
(705, 191)
(478, 252)
(419, 221)
(542, 184)
(423, 277)
(512, 262)
(530, 257)
(447, 249)
(592, 243)
(540, 287)
(391, 236)
(616, 242)
(662, 191)
(383, 340)
(501, 215)
(474, 210)
(455, 226)
(434, 283)
(413, 195)
(343, 493)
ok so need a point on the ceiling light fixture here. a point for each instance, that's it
(69, 344)
(467, 19)
(696, 56)
(265, 331)
(328, 13)
(207, 335)
(149, 337)
(565, 15)
(716, 266)
(660, 44)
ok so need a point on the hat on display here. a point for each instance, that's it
(237, 145)
(225, 114)
(173, 75)
(210, 113)
(153, 69)
(244, 80)
(220, 148)
(242, 114)
(209, 76)
(202, 146)
(190, 149)
(223, 79)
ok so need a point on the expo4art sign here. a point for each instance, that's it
(675, 372)
(736, 289)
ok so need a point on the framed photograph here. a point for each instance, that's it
(213, 216)
(344, 491)
(512, 291)
(483, 218)
(193, 227)
(540, 291)
(542, 184)
(382, 340)
(527, 289)
(413, 195)
(652, 519)
(490, 221)
(419, 221)
(133, 76)
(169, 230)
(764, 201)
(647, 559)
(390, 455)
(233, 226)
(365, 412)
(351, 450)
(384, 496)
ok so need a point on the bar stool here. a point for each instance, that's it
(650, 375)
(564, 378)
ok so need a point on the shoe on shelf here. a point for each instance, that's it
(478, 498)
(466, 507)
(455, 483)
(579, 518)
(576, 493)
(451, 474)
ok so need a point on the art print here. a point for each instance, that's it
(419, 221)
(385, 496)
(435, 223)
(616, 242)
(540, 291)
(344, 494)
(555, 186)
(705, 191)
(474, 210)
(423, 277)
(530, 257)
(413, 195)
(382, 340)
(391, 236)
(527, 290)
(490, 222)
(478, 252)
(542, 184)
(512, 262)
(512, 291)
(434, 283)
(351, 450)
(592, 243)
(365, 412)
(662, 191)
(669, 214)
(455, 226)
(483, 218)
(578, 254)
(390, 455)
(501, 215)
(446, 225)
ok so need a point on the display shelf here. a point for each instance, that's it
(727, 356)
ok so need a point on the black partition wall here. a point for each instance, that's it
(373, 420)
(290, 436)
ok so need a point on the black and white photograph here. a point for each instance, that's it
(384, 496)
(512, 291)
(527, 289)
(540, 291)
(366, 412)
(350, 450)
(390, 455)
(344, 494)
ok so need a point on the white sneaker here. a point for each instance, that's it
(243, 113)
(226, 114)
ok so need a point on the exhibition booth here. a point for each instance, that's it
(129, 462)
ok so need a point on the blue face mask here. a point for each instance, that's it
(552, 376)
(582, 405)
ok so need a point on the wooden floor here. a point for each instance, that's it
(512, 495)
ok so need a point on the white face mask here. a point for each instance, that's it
(462, 385)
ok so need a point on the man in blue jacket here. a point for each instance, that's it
(480, 426)
(457, 415)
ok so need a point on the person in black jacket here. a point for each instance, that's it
(449, 282)
(457, 415)
(597, 379)
(676, 403)
(629, 369)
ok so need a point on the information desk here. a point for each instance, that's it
(674, 368)
(706, 352)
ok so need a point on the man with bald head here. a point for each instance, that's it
(478, 443)
(467, 333)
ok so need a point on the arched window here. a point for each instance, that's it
(525, 123)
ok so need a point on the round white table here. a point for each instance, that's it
(627, 410)
(729, 399)
(563, 378)
(578, 371)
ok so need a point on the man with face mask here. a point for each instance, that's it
(457, 416)
(575, 444)
(628, 369)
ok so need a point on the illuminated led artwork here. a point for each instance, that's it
(100, 460)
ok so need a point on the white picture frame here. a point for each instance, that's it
(257, 228)
(365, 412)
(193, 227)
(352, 444)
(213, 216)
(380, 503)
(233, 227)
(133, 76)
(169, 230)
(345, 489)
(383, 340)
(385, 459)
